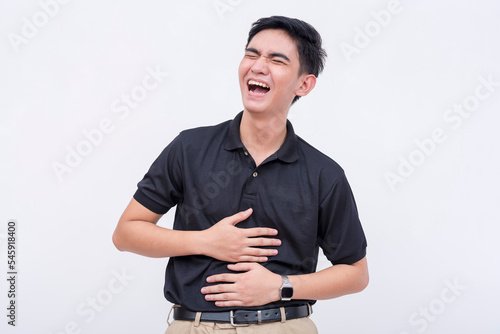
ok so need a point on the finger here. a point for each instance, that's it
(258, 252)
(218, 289)
(257, 255)
(260, 231)
(260, 242)
(232, 303)
(230, 278)
(224, 299)
(239, 217)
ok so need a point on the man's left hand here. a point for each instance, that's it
(254, 286)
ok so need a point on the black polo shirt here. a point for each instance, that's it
(209, 175)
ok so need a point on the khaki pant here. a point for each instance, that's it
(294, 326)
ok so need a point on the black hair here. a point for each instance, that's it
(307, 40)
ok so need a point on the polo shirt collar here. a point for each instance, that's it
(287, 152)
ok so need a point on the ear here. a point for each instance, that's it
(308, 83)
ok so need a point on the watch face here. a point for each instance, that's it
(286, 292)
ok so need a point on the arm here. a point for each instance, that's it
(258, 286)
(137, 232)
(332, 282)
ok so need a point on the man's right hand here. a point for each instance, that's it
(226, 242)
(137, 232)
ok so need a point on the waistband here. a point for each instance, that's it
(245, 317)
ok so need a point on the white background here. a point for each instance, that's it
(438, 228)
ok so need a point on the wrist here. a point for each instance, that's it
(197, 242)
(286, 289)
(276, 286)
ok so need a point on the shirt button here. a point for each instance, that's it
(245, 152)
(255, 174)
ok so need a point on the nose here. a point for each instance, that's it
(260, 66)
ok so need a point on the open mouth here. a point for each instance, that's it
(258, 87)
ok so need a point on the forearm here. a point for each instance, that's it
(331, 282)
(256, 285)
(148, 239)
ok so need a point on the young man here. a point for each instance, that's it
(254, 204)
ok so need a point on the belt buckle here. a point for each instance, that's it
(231, 319)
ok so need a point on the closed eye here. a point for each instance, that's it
(275, 57)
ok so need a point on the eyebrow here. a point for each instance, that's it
(271, 55)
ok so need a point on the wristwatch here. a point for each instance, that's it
(286, 290)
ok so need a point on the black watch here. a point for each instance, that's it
(286, 290)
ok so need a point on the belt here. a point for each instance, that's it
(245, 317)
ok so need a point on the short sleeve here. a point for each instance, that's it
(161, 187)
(340, 233)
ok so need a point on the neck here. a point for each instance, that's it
(262, 134)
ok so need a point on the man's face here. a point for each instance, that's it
(269, 72)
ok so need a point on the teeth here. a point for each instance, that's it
(261, 84)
